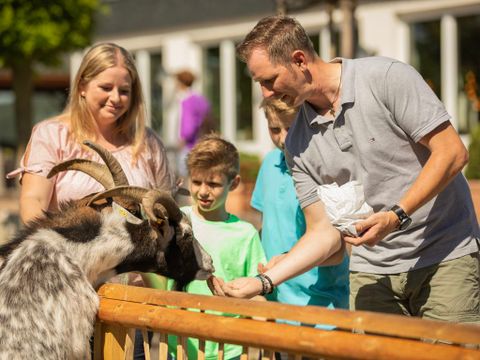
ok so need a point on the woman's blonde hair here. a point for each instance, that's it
(131, 125)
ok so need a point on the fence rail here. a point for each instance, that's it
(357, 335)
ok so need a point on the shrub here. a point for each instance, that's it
(249, 167)
(473, 168)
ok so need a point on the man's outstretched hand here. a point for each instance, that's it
(215, 284)
(245, 287)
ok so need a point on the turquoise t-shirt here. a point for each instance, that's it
(283, 224)
(235, 248)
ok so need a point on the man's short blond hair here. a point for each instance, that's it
(277, 108)
(279, 36)
(215, 154)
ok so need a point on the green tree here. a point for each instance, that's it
(38, 31)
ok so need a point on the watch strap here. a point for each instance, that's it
(402, 216)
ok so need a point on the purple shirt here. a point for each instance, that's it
(193, 110)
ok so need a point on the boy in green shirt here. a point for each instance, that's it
(233, 244)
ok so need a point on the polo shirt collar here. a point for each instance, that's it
(348, 91)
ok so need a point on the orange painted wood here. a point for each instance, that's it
(301, 340)
(376, 323)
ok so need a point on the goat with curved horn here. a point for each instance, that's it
(99, 172)
(148, 198)
(119, 177)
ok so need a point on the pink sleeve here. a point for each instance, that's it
(43, 150)
(164, 178)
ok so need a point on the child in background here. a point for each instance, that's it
(233, 244)
(283, 222)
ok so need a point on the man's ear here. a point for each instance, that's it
(299, 59)
(235, 182)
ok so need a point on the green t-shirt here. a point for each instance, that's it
(235, 248)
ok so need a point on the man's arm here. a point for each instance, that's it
(448, 157)
(320, 241)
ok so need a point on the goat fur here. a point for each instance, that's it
(48, 272)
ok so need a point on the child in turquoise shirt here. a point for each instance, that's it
(283, 222)
(233, 244)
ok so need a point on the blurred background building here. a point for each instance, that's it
(438, 37)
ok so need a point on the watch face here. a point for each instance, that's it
(404, 223)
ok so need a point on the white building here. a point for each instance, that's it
(438, 37)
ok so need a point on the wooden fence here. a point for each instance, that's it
(357, 335)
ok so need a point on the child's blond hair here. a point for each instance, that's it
(276, 107)
(214, 154)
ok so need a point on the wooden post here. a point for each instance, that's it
(112, 342)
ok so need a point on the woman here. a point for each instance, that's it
(105, 106)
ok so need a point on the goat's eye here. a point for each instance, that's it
(136, 213)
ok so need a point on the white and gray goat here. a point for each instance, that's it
(49, 271)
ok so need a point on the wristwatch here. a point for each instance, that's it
(405, 220)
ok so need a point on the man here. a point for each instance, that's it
(373, 120)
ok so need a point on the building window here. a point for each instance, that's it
(425, 56)
(211, 81)
(7, 135)
(157, 75)
(45, 104)
(48, 103)
(468, 72)
(244, 101)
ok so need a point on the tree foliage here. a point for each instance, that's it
(43, 30)
(39, 32)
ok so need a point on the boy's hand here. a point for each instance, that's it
(215, 284)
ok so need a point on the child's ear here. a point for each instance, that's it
(235, 182)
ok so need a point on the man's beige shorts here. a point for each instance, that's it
(448, 291)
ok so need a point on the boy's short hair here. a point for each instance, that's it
(275, 107)
(214, 154)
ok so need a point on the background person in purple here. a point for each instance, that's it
(194, 111)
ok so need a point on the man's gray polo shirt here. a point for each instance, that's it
(386, 108)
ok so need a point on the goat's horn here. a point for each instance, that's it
(119, 177)
(156, 196)
(147, 197)
(97, 171)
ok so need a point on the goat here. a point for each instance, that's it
(49, 270)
